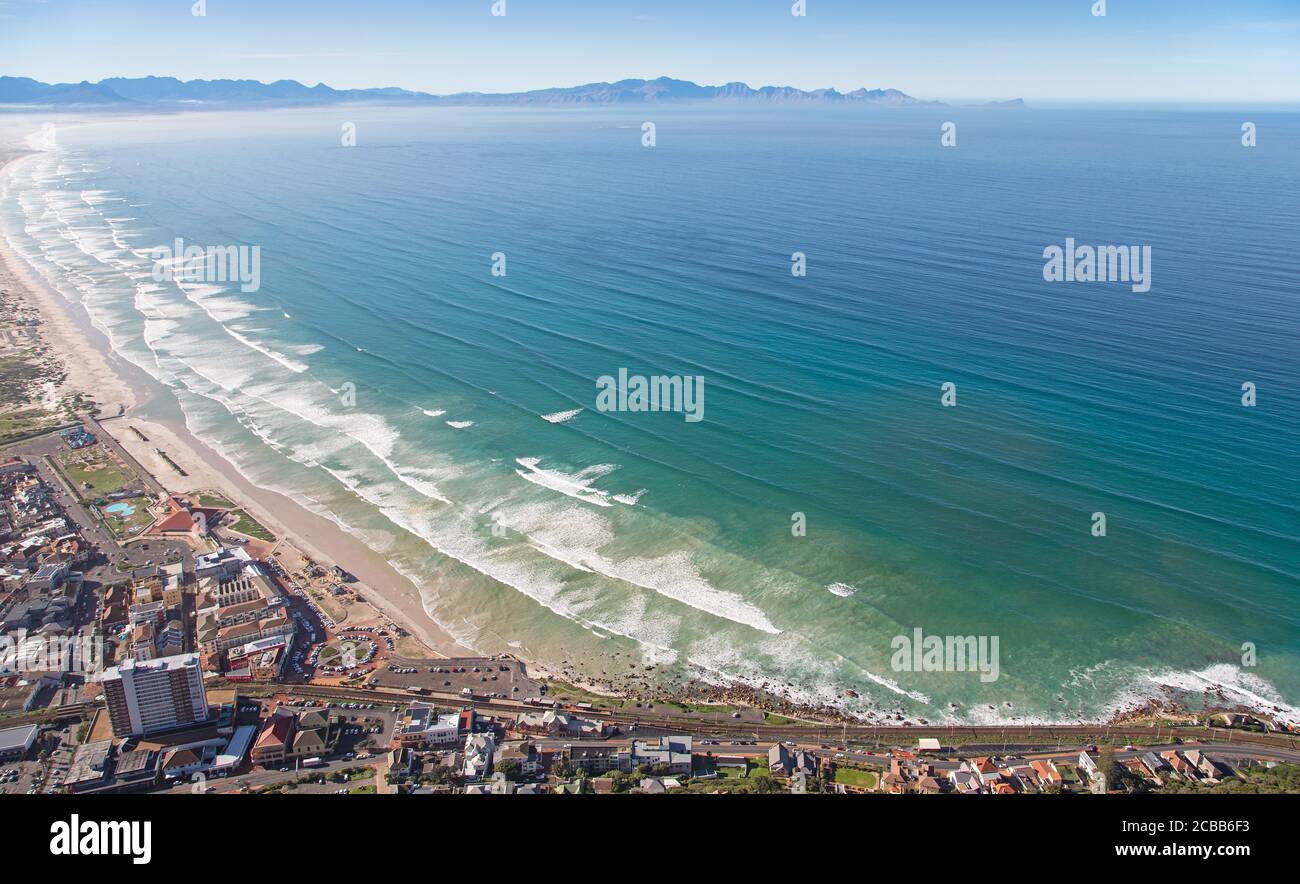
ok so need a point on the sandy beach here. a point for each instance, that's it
(116, 385)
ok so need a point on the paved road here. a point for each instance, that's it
(725, 731)
(258, 778)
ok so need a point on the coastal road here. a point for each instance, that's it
(646, 723)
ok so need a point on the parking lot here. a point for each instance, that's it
(484, 676)
(20, 777)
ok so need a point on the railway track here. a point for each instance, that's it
(828, 733)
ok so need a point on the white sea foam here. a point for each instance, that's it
(291, 364)
(576, 537)
(1234, 684)
(843, 590)
(560, 417)
(433, 412)
(575, 485)
(459, 425)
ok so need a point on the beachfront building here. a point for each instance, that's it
(671, 752)
(145, 697)
(783, 761)
(225, 562)
(183, 519)
(423, 728)
(557, 723)
(238, 603)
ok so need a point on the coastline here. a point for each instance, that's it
(113, 383)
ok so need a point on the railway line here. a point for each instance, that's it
(830, 733)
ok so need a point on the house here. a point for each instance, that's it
(274, 739)
(927, 785)
(964, 782)
(1180, 765)
(1153, 763)
(1207, 768)
(1047, 772)
(672, 752)
(984, 768)
(658, 785)
(520, 751)
(599, 759)
(895, 781)
(479, 749)
(784, 762)
(779, 760)
(401, 762)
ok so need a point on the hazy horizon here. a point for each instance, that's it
(1180, 53)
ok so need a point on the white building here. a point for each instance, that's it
(478, 755)
(423, 727)
(155, 695)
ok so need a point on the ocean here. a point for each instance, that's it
(828, 504)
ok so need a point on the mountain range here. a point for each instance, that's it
(169, 93)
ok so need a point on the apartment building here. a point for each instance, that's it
(147, 696)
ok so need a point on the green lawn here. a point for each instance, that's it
(248, 526)
(216, 501)
(860, 779)
(103, 476)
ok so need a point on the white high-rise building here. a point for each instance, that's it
(145, 696)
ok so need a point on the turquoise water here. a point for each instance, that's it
(120, 509)
(596, 539)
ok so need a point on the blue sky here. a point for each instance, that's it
(1142, 50)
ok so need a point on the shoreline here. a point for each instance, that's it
(112, 382)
